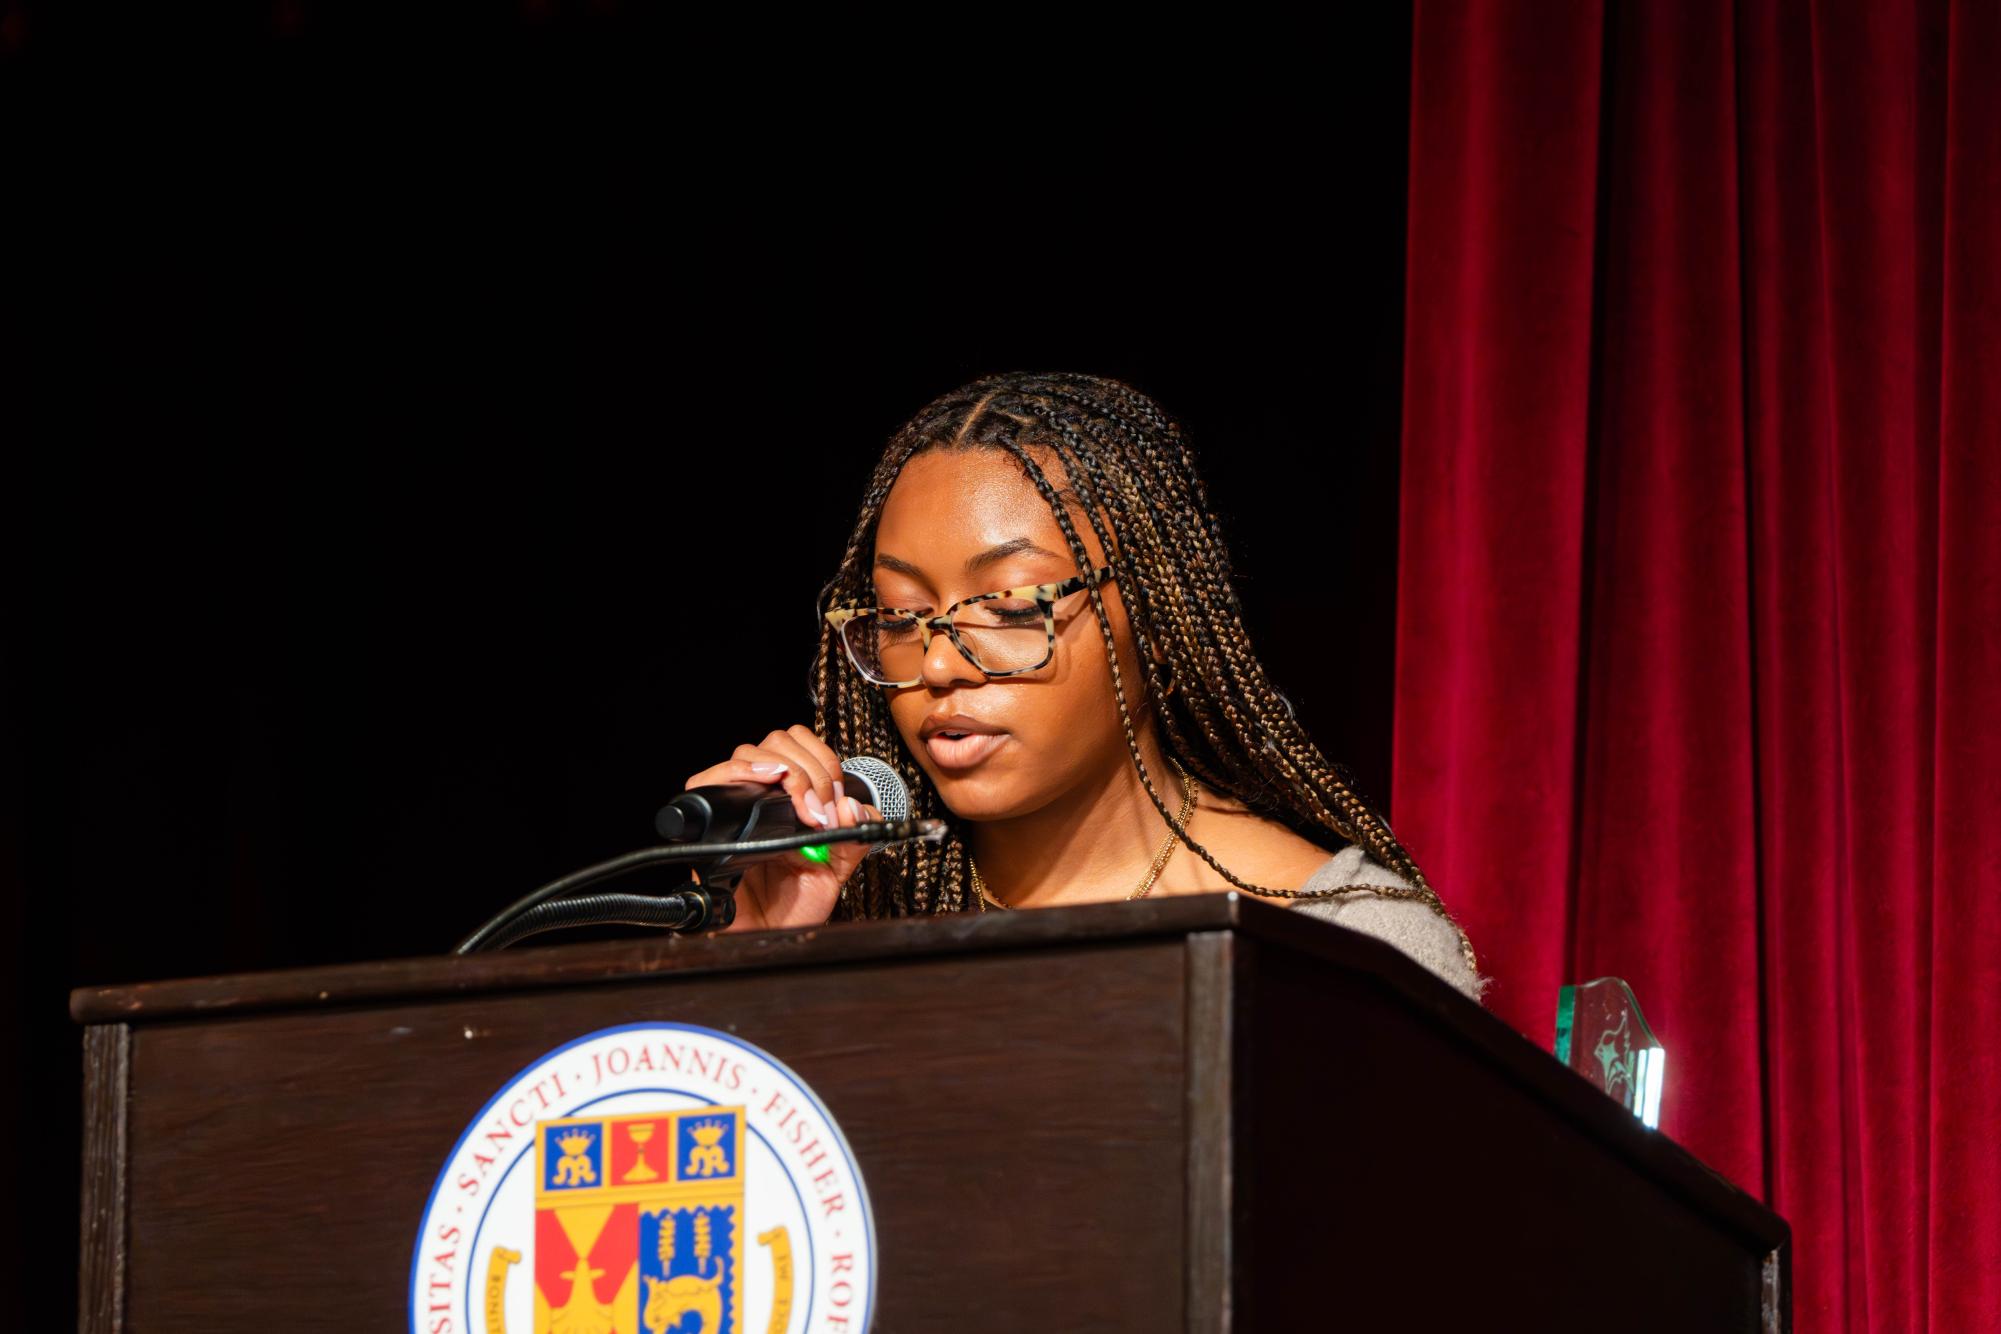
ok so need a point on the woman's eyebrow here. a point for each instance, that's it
(992, 555)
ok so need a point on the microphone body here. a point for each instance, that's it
(735, 812)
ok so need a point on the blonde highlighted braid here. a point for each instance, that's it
(1131, 474)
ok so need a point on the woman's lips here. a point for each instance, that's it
(965, 751)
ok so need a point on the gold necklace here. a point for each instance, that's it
(1189, 788)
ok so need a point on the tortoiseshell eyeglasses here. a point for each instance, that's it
(1002, 634)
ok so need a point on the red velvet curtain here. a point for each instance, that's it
(1699, 651)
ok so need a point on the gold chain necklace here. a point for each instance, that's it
(1189, 788)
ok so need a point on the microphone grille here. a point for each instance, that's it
(890, 796)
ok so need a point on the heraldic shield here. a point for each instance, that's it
(639, 1223)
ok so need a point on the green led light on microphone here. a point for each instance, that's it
(818, 852)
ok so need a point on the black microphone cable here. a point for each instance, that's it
(693, 909)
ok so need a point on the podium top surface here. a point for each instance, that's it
(618, 960)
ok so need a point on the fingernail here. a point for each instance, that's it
(855, 810)
(769, 767)
(817, 809)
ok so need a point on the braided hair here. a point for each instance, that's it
(1133, 478)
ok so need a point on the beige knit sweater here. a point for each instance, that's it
(1416, 928)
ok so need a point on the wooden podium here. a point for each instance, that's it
(1200, 1113)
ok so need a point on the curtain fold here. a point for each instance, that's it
(1699, 673)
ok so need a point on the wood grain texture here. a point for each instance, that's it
(101, 1245)
(1212, 1198)
(1392, 1166)
(1203, 1113)
(1573, 1104)
(1018, 1120)
(1563, 1091)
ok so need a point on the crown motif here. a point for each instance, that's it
(708, 1134)
(575, 1142)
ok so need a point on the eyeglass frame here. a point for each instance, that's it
(1045, 595)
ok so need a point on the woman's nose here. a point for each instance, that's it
(944, 664)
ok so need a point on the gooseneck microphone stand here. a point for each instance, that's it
(708, 903)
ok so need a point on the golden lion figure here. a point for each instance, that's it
(574, 1168)
(669, 1300)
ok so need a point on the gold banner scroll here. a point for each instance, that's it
(496, 1288)
(780, 1243)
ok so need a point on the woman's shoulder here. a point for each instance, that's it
(1416, 925)
(1267, 853)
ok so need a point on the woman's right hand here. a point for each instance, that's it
(792, 890)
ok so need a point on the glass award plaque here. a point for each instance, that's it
(1601, 1035)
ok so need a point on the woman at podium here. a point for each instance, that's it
(1034, 623)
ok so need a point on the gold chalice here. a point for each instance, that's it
(639, 1133)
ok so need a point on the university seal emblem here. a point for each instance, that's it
(648, 1179)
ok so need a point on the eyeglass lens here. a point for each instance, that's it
(1003, 635)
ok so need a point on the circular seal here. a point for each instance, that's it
(648, 1179)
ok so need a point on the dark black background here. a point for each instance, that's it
(406, 421)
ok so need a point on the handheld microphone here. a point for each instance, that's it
(739, 821)
(736, 812)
